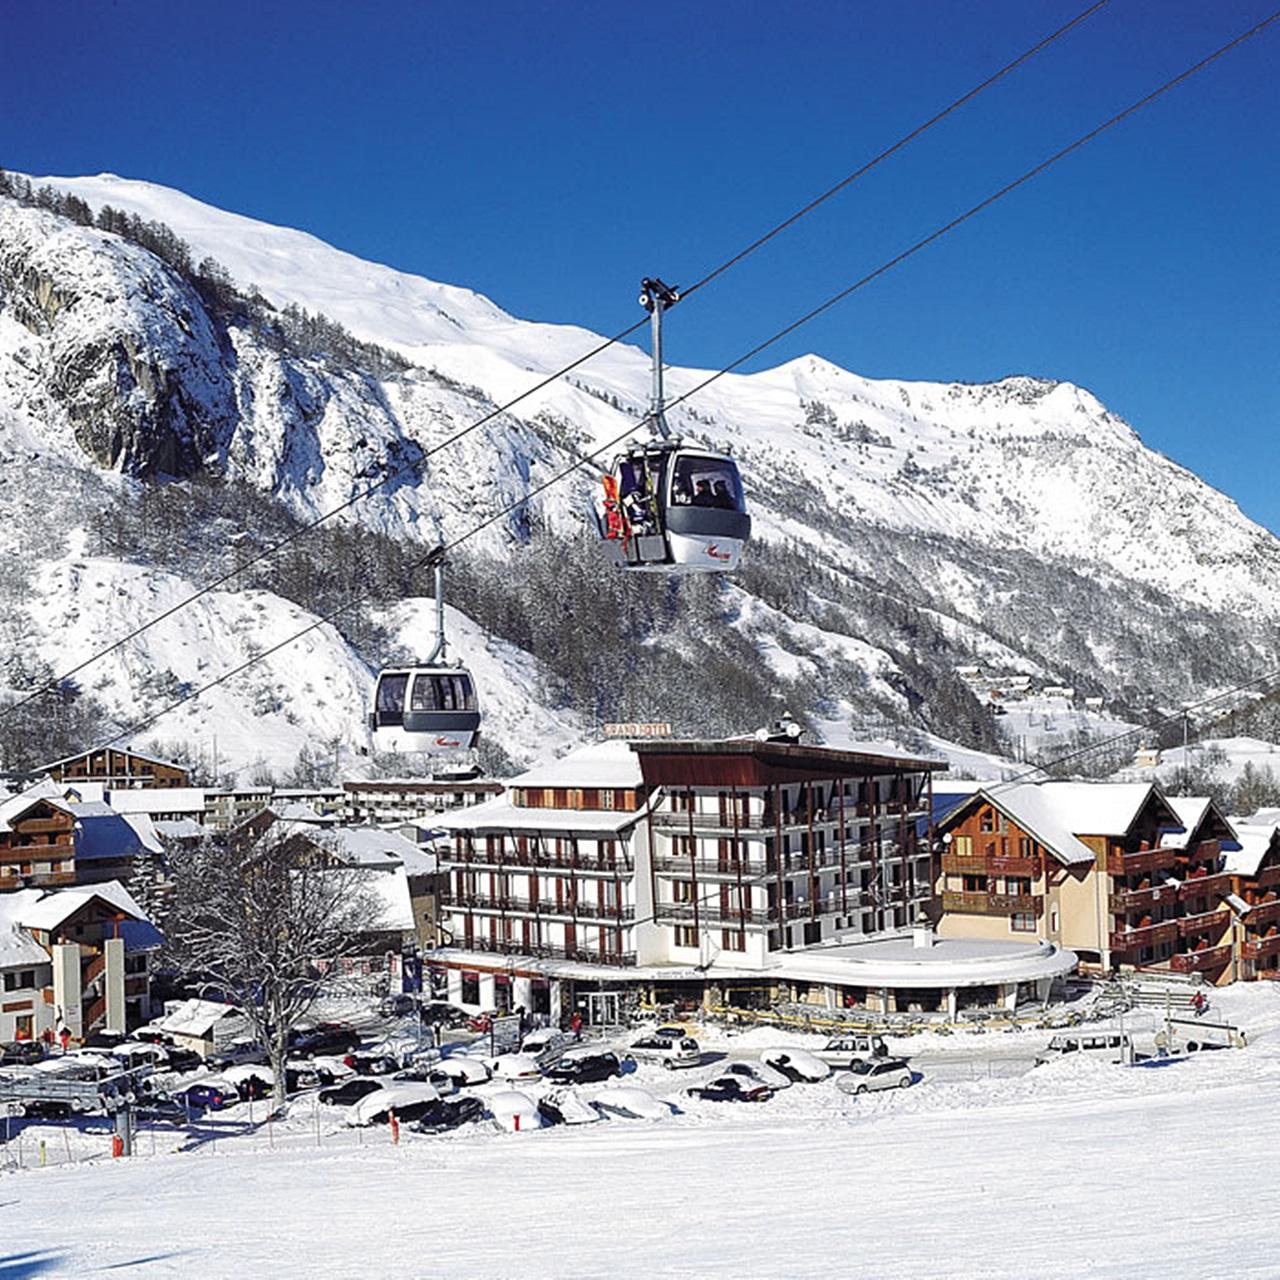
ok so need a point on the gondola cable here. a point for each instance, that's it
(434, 556)
(207, 588)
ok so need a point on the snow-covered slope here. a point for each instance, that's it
(1018, 523)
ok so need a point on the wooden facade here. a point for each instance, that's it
(37, 848)
(117, 767)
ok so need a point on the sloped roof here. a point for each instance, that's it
(371, 847)
(157, 799)
(1038, 814)
(49, 910)
(597, 764)
(196, 1017)
(17, 947)
(1244, 855)
(113, 835)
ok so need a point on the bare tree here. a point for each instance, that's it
(266, 925)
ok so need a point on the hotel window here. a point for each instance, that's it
(683, 891)
(732, 940)
(1024, 846)
(975, 884)
(1023, 922)
(1017, 885)
(988, 822)
(686, 936)
(963, 846)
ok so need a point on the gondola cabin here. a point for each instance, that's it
(670, 508)
(429, 709)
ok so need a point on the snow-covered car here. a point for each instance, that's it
(672, 1053)
(865, 1076)
(373, 1064)
(329, 1038)
(307, 1075)
(798, 1065)
(567, 1106)
(514, 1111)
(516, 1066)
(732, 1089)
(409, 1101)
(462, 1072)
(631, 1102)
(212, 1094)
(760, 1072)
(545, 1041)
(843, 1050)
(444, 1115)
(235, 1052)
(250, 1080)
(138, 1053)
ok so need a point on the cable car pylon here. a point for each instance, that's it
(668, 507)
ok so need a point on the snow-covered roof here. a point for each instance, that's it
(597, 764)
(17, 947)
(499, 814)
(1029, 807)
(124, 751)
(390, 890)
(157, 799)
(371, 847)
(15, 806)
(49, 910)
(178, 829)
(195, 1017)
(295, 811)
(1244, 855)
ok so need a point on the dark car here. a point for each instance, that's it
(423, 1073)
(42, 1109)
(296, 1078)
(372, 1064)
(397, 1006)
(733, 1089)
(443, 1115)
(343, 1095)
(184, 1060)
(332, 1037)
(441, 1014)
(166, 1110)
(21, 1052)
(585, 1068)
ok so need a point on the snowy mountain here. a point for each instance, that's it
(901, 529)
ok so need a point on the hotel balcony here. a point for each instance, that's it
(1206, 922)
(1268, 879)
(991, 904)
(583, 909)
(1210, 886)
(545, 860)
(1123, 901)
(1260, 948)
(1261, 913)
(1200, 961)
(708, 913)
(1141, 862)
(1137, 937)
(545, 951)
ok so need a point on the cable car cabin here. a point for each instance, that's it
(672, 509)
(428, 709)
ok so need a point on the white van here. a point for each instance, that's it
(671, 1051)
(1106, 1046)
(845, 1050)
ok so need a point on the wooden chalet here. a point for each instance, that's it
(118, 768)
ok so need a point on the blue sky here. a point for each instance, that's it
(550, 154)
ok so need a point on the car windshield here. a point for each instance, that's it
(861, 1068)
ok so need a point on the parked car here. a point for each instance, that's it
(732, 1089)
(105, 1039)
(585, 1068)
(409, 1101)
(441, 1116)
(372, 1064)
(236, 1052)
(760, 1072)
(843, 1050)
(397, 1006)
(567, 1106)
(516, 1066)
(426, 1073)
(164, 1110)
(866, 1076)
(42, 1109)
(798, 1065)
(21, 1052)
(330, 1037)
(545, 1041)
(671, 1052)
(439, 1013)
(251, 1080)
(631, 1102)
(462, 1073)
(350, 1091)
(209, 1095)
(481, 1022)
(306, 1075)
(1103, 1046)
(514, 1111)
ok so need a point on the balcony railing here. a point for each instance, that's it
(1138, 937)
(961, 864)
(1259, 948)
(1206, 922)
(709, 913)
(546, 951)
(667, 820)
(1268, 879)
(1264, 912)
(588, 864)
(1200, 961)
(1212, 886)
(583, 909)
(1141, 862)
(991, 904)
(1127, 900)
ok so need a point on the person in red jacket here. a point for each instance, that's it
(575, 1025)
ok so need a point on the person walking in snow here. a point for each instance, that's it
(575, 1025)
